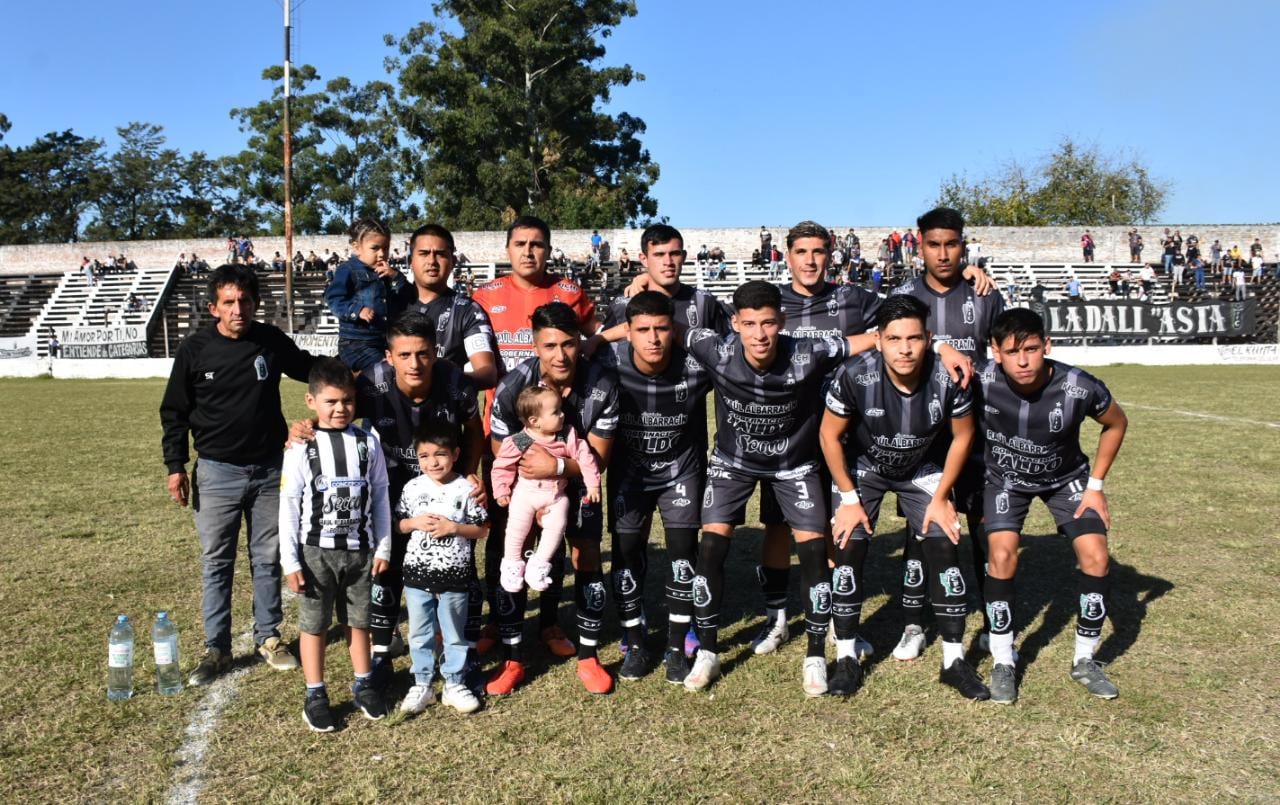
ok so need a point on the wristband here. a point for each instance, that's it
(935, 347)
(850, 498)
(559, 466)
(1094, 483)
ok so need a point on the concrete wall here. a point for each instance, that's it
(1005, 244)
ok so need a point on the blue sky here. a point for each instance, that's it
(758, 112)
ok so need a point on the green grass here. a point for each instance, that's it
(88, 532)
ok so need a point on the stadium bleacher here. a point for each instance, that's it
(76, 303)
(22, 298)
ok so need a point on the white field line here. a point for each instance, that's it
(188, 776)
(1199, 415)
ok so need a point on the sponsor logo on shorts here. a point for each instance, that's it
(1002, 503)
(804, 505)
(680, 503)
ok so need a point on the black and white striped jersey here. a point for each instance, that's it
(694, 308)
(462, 326)
(959, 316)
(834, 312)
(591, 407)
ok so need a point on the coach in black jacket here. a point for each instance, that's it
(225, 391)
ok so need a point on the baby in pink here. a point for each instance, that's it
(540, 410)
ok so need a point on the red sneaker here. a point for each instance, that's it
(557, 643)
(488, 639)
(507, 679)
(594, 677)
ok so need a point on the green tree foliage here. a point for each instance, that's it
(1071, 186)
(503, 104)
(141, 200)
(48, 186)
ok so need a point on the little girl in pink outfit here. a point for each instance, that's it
(540, 410)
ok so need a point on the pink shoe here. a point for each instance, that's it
(512, 578)
(538, 574)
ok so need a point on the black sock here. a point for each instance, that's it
(1000, 598)
(773, 583)
(475, 610)
(946, 587)
(708, 589)
(913, 581)
(589, 591)
(847, 592)
(682, 551)
(384, 607)
(511, 608)
(629, 565)
(1095, 593)
(493, 552)
(817, 606)
(549, 599)
(978, 541)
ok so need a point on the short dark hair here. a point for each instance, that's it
(659, 234)
(650, 303)
(329, 371)
(438, 432)
(556, 316)
(1020, 322)
(361, 227)
(755, 295)
(530, 222)
(902, 306)
(413, 324)
(941, 218)
(435, 230)
(233, 274)
(808, 229)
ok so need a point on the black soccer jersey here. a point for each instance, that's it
(1033, 442)
(462, 326)
(766, 423)
(591, 407)
(892, 430)
(694, 308)
(662, 419)
(395, 417)
(959, 316)
(834, 312)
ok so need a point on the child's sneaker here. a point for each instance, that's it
(512, 575)
(537, 574)
(316, 711)
(459, 697)
(417, 699)
(369, 700)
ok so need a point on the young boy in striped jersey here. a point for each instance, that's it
(335, 534)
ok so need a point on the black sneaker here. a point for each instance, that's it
(369, 700)
(635, 664)
(316, 711)
(961, 676)
(847, 677)
(213, 664)
(677, 666)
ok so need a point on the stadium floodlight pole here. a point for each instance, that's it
(288, 178)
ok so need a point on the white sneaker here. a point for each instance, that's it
(417, 699)
(705, 668)
(815, 676)
(772, 635)
(862, 648)
(459, 697)
(911, 644)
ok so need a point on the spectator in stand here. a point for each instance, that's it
(197, 266)
(1255, 248)
(775, 262)
(314, 263)
(181, 265)
(1126, 284)
(766, 242)
(1215, 256)
(1197, 266)
(596, 240)
(397, 259)
(1170, 247)
(1176, 271)
(1135, 246)
(703, 255)
(245, 247)
(55, 348)
(1087, 246)
(1074, 293)
(910, 242)
(973, 253)
(624, 260)
(1148, 278)
(86, 268)
(1256, 260)
(895, 247)
(277, 263)
(1236, 254)
(1241, 281)
(1011, 291)
(883, 255)
(232, 251)
(877, 272)
(1113, 279)
(558, 258)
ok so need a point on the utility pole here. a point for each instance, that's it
(288, 176)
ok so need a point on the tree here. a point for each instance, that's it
(48, 186)
(506, 115)
(208, 205)
(1072, 186)
(139, 201)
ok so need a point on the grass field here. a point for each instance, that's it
(89, 532)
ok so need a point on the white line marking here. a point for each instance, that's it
(1198, 415)
(188, 776)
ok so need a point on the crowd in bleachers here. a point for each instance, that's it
(94, 269)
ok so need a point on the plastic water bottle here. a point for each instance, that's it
(120, 660)
(164, 638)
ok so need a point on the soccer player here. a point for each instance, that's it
(659, 463)
(590, 393)
(960, 317)
(765, 433)
(463, 333)
(1032, 409)
(894, 403)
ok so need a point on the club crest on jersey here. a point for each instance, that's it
(692, 315)
(833, 306)
(999, 615)
(442, 321)
(682, 571)
(623, 582)
(952, 582)
(968, 311)
(1056, 419)
(935, 411)
(914, 575)
(820, 598)
(843, 581)
(1092, 607)
(362, 451)
(682, 391)
(1002, 503)
(260, 367)
(701, 592)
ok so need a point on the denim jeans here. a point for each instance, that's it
(223, 494)
(427, 611)
(361, 355)
(1167, 262)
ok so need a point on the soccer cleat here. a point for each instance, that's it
(417, 699)
(510, 674)
(554, 638)
(910, 645)
(862, 649)
(635, 664)
(316, 711)
(1088, 672)
(537, 574)
(511, 575)
(706, 667)
(623, 645)
(276, 655)
(847, 677)
(961, 676)
(691, 643)
(815, 676)
(213, 664)
(772, 635)
(594, 677)
(677, 666)
(369, 700)
(459, 697)
(488, 639)
(1004, 684)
